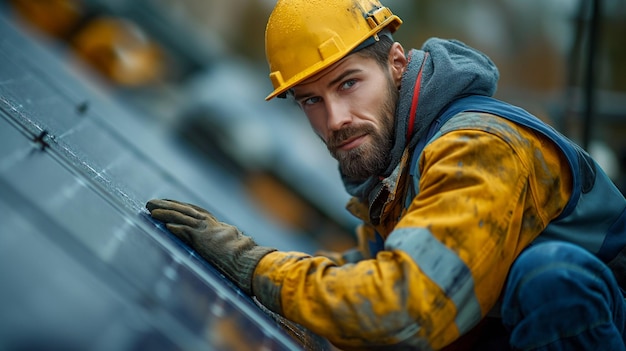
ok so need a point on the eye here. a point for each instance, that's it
(348, 84)
(310, 101)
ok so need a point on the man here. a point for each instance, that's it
(458, 192)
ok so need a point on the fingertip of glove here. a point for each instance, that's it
(152, 204)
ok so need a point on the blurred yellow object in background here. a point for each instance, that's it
(120, 50)
(53, 17)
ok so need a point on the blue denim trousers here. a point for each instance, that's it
(559, 296)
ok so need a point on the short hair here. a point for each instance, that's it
(379, 51)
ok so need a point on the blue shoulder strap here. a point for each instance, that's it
(582, 166)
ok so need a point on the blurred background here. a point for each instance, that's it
(198, 68)
(128, 100)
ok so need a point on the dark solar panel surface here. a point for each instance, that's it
(82, 266)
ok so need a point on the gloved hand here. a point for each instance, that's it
(223, 245)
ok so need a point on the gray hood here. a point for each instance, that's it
(441, 72)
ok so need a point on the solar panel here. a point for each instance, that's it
(82, 264)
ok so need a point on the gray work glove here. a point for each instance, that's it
(223, 245)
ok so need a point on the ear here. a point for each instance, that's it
(397, 62)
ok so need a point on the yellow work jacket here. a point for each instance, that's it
(485, 193)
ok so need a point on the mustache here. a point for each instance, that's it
(340, 136)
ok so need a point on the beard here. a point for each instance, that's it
(370, 158)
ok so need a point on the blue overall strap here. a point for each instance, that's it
(577, 158)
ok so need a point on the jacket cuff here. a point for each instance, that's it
(267, 281)
(247, 263)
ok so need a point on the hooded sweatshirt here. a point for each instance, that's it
(443, 71)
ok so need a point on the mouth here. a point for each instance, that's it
(351, 143)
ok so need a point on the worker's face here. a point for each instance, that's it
(351, 106)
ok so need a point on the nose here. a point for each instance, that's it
(337, 115)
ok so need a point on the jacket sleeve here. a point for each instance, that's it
(445, 262)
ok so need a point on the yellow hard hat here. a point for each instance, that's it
(304, 37)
